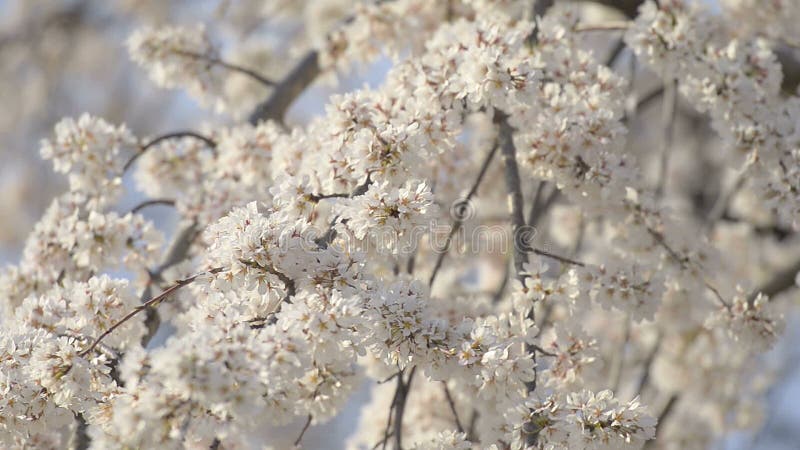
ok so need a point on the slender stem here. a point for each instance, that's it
(782, 281)
(459, 220)
(682, 261)
(648, 366)
(724, 199)
(618, 361)
(560, 258)
(81, 439)
(152, 302)
(665, 413)
(668, 123)
(303, 431)
(152, 202)
(401, 397)
(164, 137)
(234, 67)
(452, 405)
(544, 352)
(609, 26)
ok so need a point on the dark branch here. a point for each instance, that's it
(303, 431)
(152, 302)
(452, 405)
(234, 67)
(175, 135)
(285, 92)
(153, 202)
(460, 214)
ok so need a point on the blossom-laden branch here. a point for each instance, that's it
(234, 67)
(165, 137)
(153, 302)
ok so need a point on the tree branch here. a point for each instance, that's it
(234, 67)
(286, 91)
(152, 202)
(452, 405)
(174, 135)
(515, 199)
(303, 431)
(152, 302)
(460, 214)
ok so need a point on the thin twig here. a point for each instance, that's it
(648, 366)
(560, 258)
(723, 200)
(147, 203)
(303, 431)
(174, 135)
(618, 362)
(544, 352)
(668, 114)
(81, 439)
(234, 67)
(665, 413)
(152, 302)
(459, 219)
(682, 261)
(608, 26)
(534, 213)
(452, 405)
(401, 397)
(782, 281)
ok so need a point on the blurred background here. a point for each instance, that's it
(64, 57)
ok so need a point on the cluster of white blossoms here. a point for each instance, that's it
(775, 19)
(308, 264)
(394, 218)
(180, 56)
(737, 82)
(587, 420)
(91, 151)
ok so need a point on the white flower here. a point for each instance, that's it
(177, 56)
(93, 153)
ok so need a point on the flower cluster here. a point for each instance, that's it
(305, 267)
(93, 153)
(587, 420)
(176, 56)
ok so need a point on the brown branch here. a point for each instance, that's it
(303, 431)
(560, 258)
(452, 405)
(287, 90)
(152, 302)
(513, 186)
(665, 413)
(403, 389)
(682, 261)
(668, 116)
(234, 67)
(81, 439)
(458, 223)
(153, 202)
(782, 281)
(174, 135)
(609, 26)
